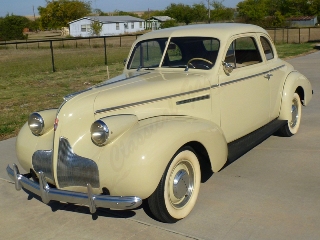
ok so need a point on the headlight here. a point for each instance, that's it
(36, 124)
(99, 133)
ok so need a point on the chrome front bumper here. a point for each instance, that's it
(46, 193)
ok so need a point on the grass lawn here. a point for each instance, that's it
(27, 83)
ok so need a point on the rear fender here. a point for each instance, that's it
(295, 82)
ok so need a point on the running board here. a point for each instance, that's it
(242, 145)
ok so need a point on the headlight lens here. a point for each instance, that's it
(99, 133)
(36, 124)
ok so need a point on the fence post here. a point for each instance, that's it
(120, 41)
(309, 35)
(52, 58)
(105, 51)
(287, 35)
(275, 32)
(282, 35)
(299, 36)
(105, 56)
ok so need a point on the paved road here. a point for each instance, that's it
(272, 192)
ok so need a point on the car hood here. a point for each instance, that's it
(146, 92)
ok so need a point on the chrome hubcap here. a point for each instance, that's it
(181, 184)
(294, 113)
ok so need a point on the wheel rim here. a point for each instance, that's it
(181, 184)
(294, 113)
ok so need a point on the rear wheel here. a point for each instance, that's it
(293, 125)
(178, 189)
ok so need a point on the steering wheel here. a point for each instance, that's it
(199, 59)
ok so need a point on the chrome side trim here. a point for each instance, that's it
(93, 201)
(190, 100)
(74, 170)
(251, 76)
(42, 161)
(150, 100)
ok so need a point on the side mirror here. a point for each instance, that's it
(227, 67)
(124, 62)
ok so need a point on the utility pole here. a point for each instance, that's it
(208, 11)
(34, 15)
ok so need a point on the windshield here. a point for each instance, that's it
(181, 52)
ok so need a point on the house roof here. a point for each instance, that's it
(161, 18)
(303, 18)
(111, 19)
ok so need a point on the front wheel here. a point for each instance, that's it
(178, 189)
(293, 125)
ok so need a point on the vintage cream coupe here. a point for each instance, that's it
(189, 99)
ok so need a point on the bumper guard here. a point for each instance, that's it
(46, 193)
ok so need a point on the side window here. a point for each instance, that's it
(243, 52)
(174, 52)
(230, 56)
(267, 49)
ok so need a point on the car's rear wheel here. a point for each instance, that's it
(293, 125)
(177, 192)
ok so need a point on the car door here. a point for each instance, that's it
(277, 74)
(245, 91)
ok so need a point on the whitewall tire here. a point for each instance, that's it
(178, 189)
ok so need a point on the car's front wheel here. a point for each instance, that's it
(178, 189)
(293, 125)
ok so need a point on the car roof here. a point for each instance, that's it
(221, 31)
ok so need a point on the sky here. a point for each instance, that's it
(25, 7)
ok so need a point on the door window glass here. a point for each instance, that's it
(267, 49)
(243, 52)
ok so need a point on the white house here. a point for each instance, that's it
(155, 22)
(111, 25)
(306, 21)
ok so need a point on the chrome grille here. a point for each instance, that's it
(74, 170)
(42, 161)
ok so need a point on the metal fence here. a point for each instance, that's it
(294, 35)
(83, 42)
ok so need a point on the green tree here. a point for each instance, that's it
(169, 24)
(200, 12)
(11, 27)
(253, 11)
(180, 12)
(59, 13)
(96, 28)
(122, 13)
(220, 12)
(148, 14)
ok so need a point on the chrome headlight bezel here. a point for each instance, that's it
(99, 133)
(36, 124)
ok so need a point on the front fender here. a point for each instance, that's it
(133, 164)
(27, 143)
(295, 82)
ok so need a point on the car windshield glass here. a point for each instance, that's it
(194, 52)
(147, 54)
